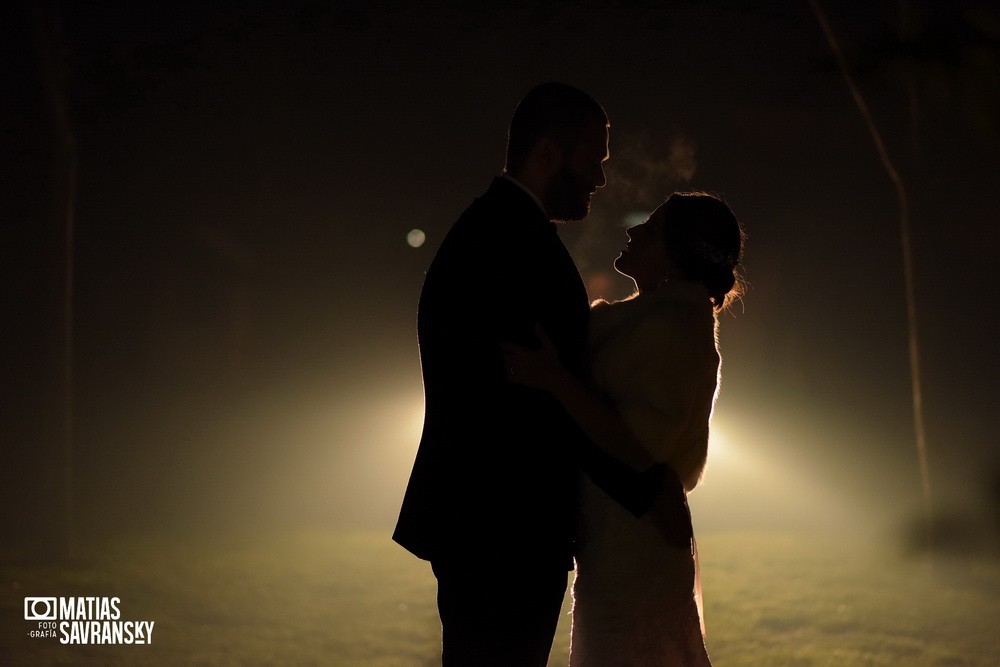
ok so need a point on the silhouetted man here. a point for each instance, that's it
(491, 500)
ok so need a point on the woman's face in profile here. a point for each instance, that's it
(645, 259)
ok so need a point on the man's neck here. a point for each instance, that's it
(531, 192)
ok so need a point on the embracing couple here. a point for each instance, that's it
(556, 432)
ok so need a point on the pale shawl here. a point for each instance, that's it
(654, 356)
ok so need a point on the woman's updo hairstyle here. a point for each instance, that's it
(705, 240)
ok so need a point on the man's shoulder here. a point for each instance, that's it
(504, 199)
(501, 216)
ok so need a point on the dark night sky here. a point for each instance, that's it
(246, 297)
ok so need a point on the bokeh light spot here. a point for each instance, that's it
(416, 238)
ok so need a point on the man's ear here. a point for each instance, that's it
(549, 154)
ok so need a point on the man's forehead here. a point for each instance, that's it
(594, 139)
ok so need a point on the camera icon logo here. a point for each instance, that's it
(41, 609)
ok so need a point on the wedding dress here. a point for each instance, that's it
(654, 356)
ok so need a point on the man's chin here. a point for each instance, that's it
(571, 214)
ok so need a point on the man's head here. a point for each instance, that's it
(556, 146)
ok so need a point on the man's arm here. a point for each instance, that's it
(615, 459)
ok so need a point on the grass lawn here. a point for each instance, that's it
(358, 600)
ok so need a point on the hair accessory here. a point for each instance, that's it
(713, 255)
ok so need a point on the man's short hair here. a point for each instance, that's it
(553, 110)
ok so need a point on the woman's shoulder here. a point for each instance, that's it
(603, 312)
(612, 319)
(675, 303)
(675, 316)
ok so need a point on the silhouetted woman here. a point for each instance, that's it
(654, 370)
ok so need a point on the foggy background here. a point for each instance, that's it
(244, 296)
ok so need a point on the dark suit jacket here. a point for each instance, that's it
(495, 473)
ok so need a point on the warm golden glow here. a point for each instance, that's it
(747, 481)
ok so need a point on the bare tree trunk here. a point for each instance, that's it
(908, 274)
